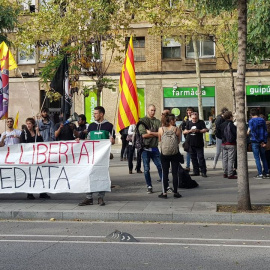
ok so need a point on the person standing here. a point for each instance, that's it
(228, 135)
(124, 134)
(98, 130)
(210, 132)
(150, 150)
(131, 149)
(258, 133)
(218, 122)
(81, 130)
(46, 126)
(32, 135)
(169, 136)
(187, 118)
(195, 129)
(10, 136)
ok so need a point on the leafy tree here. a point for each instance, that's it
(8, 19)
(89, 32)
(216, 7)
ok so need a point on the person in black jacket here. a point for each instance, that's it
(228, 135)
(218, 123)
(31, 134)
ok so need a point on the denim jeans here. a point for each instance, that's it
(188, 160)
(155, 156)
(259, 155)
(211, 139)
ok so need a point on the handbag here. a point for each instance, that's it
(186, 144)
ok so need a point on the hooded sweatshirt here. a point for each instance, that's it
(258, 130)
(100, 130)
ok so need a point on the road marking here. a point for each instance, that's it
(132, 243)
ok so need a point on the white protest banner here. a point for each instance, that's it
(55, 167)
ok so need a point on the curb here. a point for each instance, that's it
(118, 216)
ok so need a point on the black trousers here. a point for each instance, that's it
(130, 155)
(198, 160)
(124, 144)
(165, 163)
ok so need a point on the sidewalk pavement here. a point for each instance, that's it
(129, 200)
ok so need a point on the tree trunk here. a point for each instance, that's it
(243, 181)
(232, 87)
(198, 73)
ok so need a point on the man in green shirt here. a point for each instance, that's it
(150, 150)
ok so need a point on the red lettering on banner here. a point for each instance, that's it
(42, 153)
(63, 153)
(20, 160)
(6, 159)
(33, 156)
(72, 143)
(52, 153)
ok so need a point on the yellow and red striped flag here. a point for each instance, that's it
(16, 121)
(128, 109)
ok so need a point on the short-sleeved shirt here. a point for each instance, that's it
(153, 125)
(196, 139)
(12, 137)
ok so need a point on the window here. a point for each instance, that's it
(171, 49)
(29, 5)
(206, 49)
(27, 56)
(139, 48)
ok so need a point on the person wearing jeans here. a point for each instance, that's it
(150, 150)
(258, 132)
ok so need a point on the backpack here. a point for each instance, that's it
(138, 141)
(228, 134)
(169, 142)
(184, 179)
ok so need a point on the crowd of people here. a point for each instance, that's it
(44, 130)
(148, 134)
(222, 132)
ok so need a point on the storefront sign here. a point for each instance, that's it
(140, 92)
(257, 90)
(90, 103)
(55, 167)
(188, 92)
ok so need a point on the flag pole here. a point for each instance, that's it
(27, 92)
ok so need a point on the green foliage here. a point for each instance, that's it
(8, 19)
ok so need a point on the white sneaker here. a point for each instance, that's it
(259, 176)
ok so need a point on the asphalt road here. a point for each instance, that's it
(84, 245)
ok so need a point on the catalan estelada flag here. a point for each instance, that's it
(7, 63)
(128, 109)
(16, 121)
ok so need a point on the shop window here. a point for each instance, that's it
(27, 56)
(206, 49)
(171, 49)
(139, 48)
(29, 5)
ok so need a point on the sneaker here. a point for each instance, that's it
(187, 169)
(44, 196)
(266, 176)
(169, 190)
(259, 176)
(159, 180)
(177, 195)
(232, 177)
(204, 175)
(163, 196)
(30, 197)
(130, 172)
(149, 190)
(225, 175)
(86, 202)
(139, 171)
(101, 202)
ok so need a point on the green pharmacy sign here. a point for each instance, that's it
(257, 90)
(188, 92)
